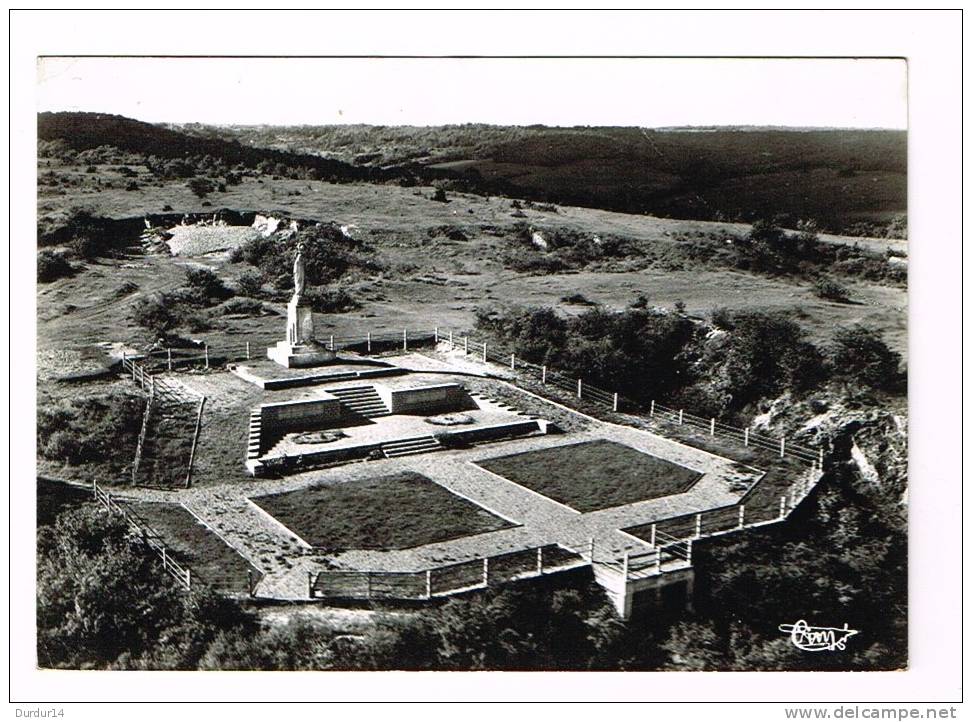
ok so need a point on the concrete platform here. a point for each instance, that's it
(299, 355)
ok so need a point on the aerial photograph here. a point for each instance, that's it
(471, 364)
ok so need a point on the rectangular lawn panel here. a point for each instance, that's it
(194, 545)
(594, 475)
(398, 511)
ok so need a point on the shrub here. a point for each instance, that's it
(247, 306)
(578, 299)
(721, 318)
(831, 290)
(861, 354)
(440, 195)
(52, 265)
(205, 285)
(200, 187)
(131, 186)
(84, 247)
(250, 283)
(156, 314)
(335, 300)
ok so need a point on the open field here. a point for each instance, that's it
(427, 278)
(594, 475)
(390, 512)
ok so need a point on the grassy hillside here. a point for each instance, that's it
(851, 181)
(838, 177)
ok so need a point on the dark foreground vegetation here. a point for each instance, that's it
(104, 603)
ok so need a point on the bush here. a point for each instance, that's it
(831, 290)
(862, 355)
(200, 187)
(578, 299)
(52, 265)
(335, 300)
(440, 195)
(250, 283)
(247, 306)
(156, 314)
(84, 247)
(205, 286)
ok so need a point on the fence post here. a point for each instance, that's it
(486, 572)
(626, 567)
(428, 583)
(820, 458)
(746, 436)
(435, 331)
(206, 349)
(249, 582)
(539, 561)
(712, 427)
(165, 559)
(484, 352)
(247, 350)
(543, 374)
(169, 355)
(404, 339)
(330, 342)
(94, 487)
(134, 371)
(653, 530)
(658, 561)
(782, 506)
(189, 579)
(652, 411)
(465, 345)
(592, 550)
(698, 525)
(452, 343)
(681, 413)
(615, 400)
(688, 555)
(310, 585)
(369, 341)
(742, 515)
(782, 446)
(512, 362)
(579, 389)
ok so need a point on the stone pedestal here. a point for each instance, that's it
(300, 348)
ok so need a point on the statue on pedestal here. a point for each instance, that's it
(300, 348)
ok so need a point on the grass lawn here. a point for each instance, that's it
(594, 475)
(195, 546)
(390, 512)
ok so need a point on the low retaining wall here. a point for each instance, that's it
(491, 433)
(423, 399)
(295, 415)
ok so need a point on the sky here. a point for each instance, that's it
(861, 93)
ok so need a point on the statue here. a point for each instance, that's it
(299, 276)
(300, 347)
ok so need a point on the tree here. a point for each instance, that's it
(103, 600)
(861, 354)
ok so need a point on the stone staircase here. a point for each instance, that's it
(362, 401)
(253, 440)
(408, 447)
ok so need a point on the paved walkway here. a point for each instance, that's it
(279, 554)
